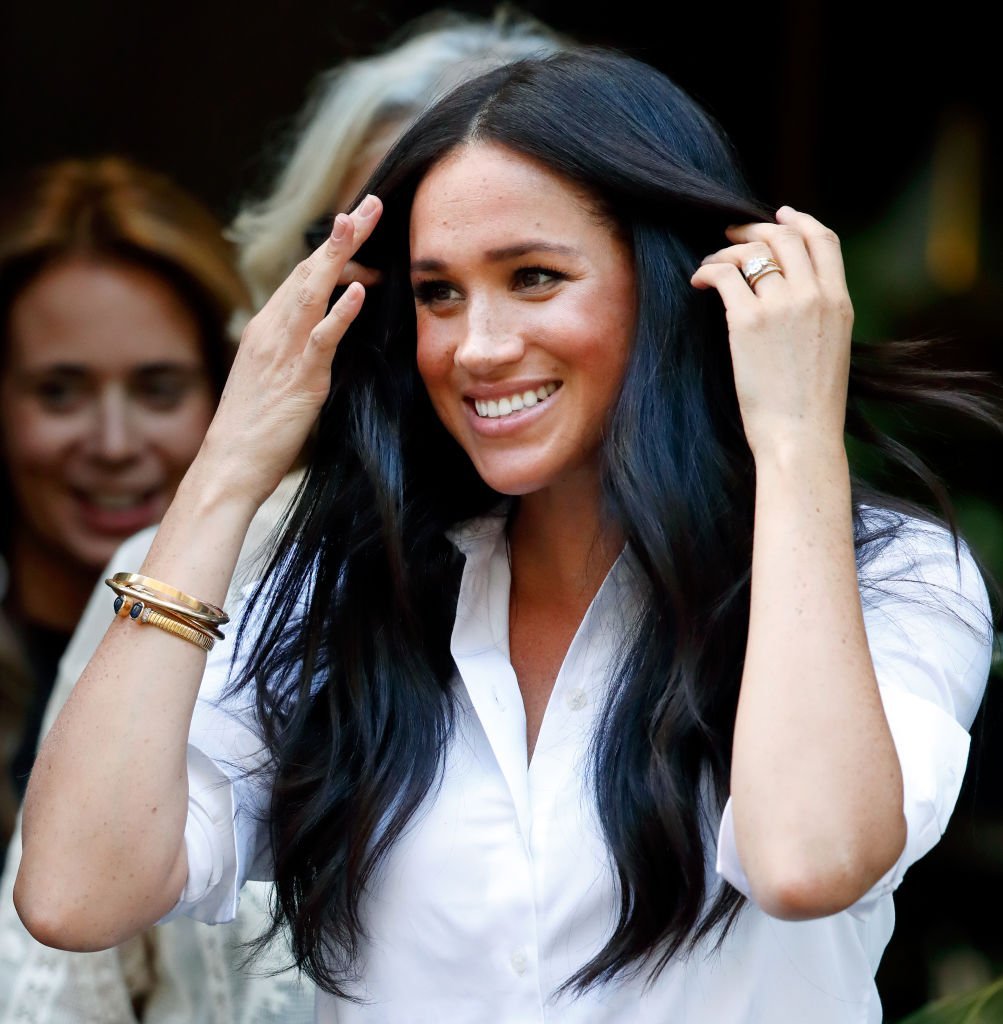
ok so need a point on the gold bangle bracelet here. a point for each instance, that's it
(137, 595)
(209, 632)
(126, 608)
(171, 625)
(169, 595)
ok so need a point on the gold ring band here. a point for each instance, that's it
(758, 267)
(762, 273)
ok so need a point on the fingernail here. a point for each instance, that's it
(339, 227)
(367, 207)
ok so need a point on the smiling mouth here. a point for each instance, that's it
(116, 502)
(496, 409)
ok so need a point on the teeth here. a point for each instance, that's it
(115, 501)
(492, 409)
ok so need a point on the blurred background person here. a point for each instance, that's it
(115, 291)
(837, 120)
(181, 972)
(355, 114)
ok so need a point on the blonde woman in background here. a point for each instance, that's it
(116, 290)
(181, 972)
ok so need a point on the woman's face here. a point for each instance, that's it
(525, 314)
(104, 400)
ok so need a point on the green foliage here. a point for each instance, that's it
(983, 1006)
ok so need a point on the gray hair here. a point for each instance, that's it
(351, 106)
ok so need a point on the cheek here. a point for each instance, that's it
(613, 333)
(34, 441)
(434, 356)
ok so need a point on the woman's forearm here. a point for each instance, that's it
(816, 784)
(106, 805)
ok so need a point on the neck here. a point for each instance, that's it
(46, 589)
(561, 545)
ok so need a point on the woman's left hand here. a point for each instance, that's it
(789, 333)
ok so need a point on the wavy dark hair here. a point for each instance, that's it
(356, 754)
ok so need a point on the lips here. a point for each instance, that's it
(492, 414)
(118, 513)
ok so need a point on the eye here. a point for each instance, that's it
(60, 393)
(163, 389)
(430, 293)
(537, 278)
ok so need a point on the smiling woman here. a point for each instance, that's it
(578, 602)
(98, 431)
(115, 292)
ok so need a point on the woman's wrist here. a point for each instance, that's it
(806, 455)
(213, 488)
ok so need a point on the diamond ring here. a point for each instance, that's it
(758, 267)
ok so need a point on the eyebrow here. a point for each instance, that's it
(507, 252)
(79, 370)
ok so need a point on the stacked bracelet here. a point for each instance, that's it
(169, 597)
(149, 601)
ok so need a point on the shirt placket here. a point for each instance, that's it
(480, 651)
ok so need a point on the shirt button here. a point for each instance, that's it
(576, 699)
(519, 961)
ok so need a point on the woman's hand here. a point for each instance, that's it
(789, 333)
(282, 372)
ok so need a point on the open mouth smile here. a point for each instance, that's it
(516, 402)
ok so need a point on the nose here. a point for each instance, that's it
(114, 436)
(490, 342)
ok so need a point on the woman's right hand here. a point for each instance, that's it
(282, 372)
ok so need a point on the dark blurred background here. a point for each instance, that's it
(882, 121)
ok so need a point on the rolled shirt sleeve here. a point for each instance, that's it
(226, 832)
(928, 623)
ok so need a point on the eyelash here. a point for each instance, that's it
(424, 291)
(553, 272)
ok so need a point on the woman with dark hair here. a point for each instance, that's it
(576, 599)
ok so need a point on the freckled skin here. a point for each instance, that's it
(502, 319)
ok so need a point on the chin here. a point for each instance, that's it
(93, 552)
(513, 483)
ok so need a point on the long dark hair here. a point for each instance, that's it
(356, 702)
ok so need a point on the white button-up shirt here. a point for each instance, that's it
(503, 888)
